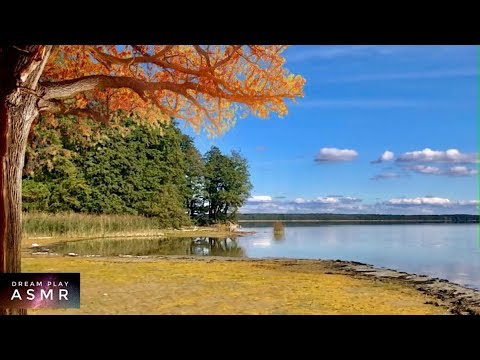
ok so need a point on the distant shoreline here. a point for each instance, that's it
(360, 218)
(361, 221)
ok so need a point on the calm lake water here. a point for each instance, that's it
(440, 250)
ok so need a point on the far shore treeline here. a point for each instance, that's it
(359, 218)
(132, 168)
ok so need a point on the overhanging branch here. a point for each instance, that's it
(68, 88)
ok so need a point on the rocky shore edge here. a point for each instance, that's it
(458, 299)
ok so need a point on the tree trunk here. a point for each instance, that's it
(20, 70)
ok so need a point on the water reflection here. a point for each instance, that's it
(216, 247)
(279, 236)
(278, 231)
(158, 246)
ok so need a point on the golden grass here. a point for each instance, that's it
(186, 286)
(74, 225)
(43, 228)
(278, 226)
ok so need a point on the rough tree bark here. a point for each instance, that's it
(20, 70)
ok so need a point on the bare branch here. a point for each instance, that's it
(155, 59)
(228, 57)
(203, 53)
(68, 88)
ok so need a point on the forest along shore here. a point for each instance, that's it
(218, 285)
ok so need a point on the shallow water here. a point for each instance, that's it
(152, 246)
(439, 250)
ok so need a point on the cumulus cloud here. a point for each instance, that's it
(318, 200)
(451, 171)
(353, 205)
(386, 156)
(427, 200)
(424, 169)
(349, 199)
(427, 205)
(328, 200)
(335, 155)
(385, 176)
(461, 171)
(321, 204)
(300, 201)
(429, 155)
(259, 198)
(468, 202)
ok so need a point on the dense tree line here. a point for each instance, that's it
(131, 169)
(374, 218)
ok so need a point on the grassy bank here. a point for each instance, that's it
(43, 227)
(218, 286)
(83, 225)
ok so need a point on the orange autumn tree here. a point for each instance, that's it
(207, 86)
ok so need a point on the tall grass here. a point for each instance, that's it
(278, 231)
(278, 226)
(74, 225)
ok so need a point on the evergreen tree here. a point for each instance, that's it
(194, 176)
(131, 169)
(227, 184)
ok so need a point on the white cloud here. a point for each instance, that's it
(452, 171)
(326, 200)
(468, 202)
(419, 201)
(427, 169)
(461, 171)
(427, 205)
(386, 156)
(325, 204)
(429, 155)
(335, 155)
(260, 198)
(349, 199)
(385, 176)
(352, 205)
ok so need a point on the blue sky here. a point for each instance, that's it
(415, 105)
